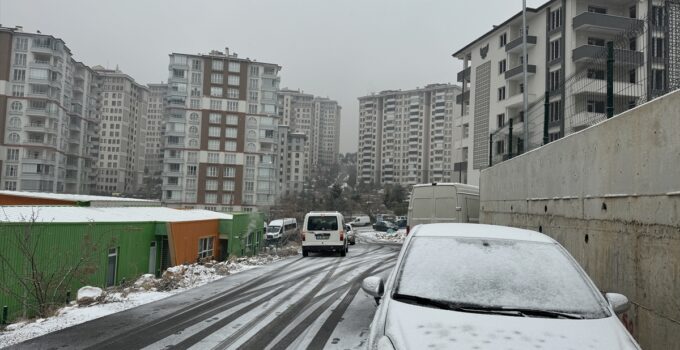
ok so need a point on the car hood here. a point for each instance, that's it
(415, 327)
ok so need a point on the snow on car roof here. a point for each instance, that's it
(107, 214)
(480, 231)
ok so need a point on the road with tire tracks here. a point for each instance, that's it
(297, 303)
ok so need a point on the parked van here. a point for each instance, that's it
(443, 202)
(362, 220)
(281, 228)
(324, 231)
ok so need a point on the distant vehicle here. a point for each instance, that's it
(401, 223)
(351, 236)
(401, 218)
(443, 202)
(281, 228)
(324, 231)
(362, 220)
(476, 282)
(384, 226)
(385, 217)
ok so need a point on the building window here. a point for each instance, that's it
(595, 106)
(227, 198)
(229, 172)
(658, 79)
(195, 103)
(554, 136)
(658, 47)
(502, 66)
(555, 111)
(554, 80)
(191, 170)
(216, 78)
(233, 80)
(632, 44)
(234, 67)
(205, 245)
(196, 64)
(254, 70)
(231, 132)
(20, 59)
(193, 117)
(19, 75)
(195, 78)
(252, 108)
(10, 185)
(466, 131)
(555, 19)
(228, 185)
(555, 49)
(250, 186)
(229, 159)
(658, 15)
(215, 118)
(216, 105)
(597, 9)
(232, 119)
(212, 171)
(18, 90)
(596, 42)
(252, 95)
(12, 154)
(214, 145)
(232, 106)
(14, 138)
(250, 160)
(213, 157)
(254, 83)
(213, 131)
(596, 74)
(16, 106)
(500, 120)
(503, 39)
(178, 73)
(232, 93)
(500, 147)
(501, 93)
(217, 65)
(632, 76)
(230, 146)
(215, 91)
(211, 185)
(21, 44)
(193, 143)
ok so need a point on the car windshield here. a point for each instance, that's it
(497, 273)
(322, 223)
(273, 229)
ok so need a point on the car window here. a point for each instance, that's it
(497, 273)
(322, 223)
(273, 229)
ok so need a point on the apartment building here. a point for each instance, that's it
(122, 132)
(565, 41)
(154, 130)
(408, 137)
(316, 117)
(48, 115)
(221, 126)
(293, 161)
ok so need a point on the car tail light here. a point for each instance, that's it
(302, 235)
(408, 229)
(342, 235)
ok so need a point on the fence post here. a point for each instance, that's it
(5, 312)
(68, 297)
(510, 140)
(546, 117)
(490, 149)
(610, 79)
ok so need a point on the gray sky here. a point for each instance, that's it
(342, 49)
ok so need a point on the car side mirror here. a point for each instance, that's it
(373, 286)
(459, 208)
(618, 302)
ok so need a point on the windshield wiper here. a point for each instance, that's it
(543, 313)
(453, 306)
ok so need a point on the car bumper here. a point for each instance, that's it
(323, 248)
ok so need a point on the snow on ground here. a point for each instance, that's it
(395, 237)
(144, 290)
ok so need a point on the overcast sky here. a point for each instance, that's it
(341, 49)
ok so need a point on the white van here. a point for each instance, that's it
(324, 231)
(281, 228)
(362, 220)
(443, 202)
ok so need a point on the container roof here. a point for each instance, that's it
(74, 197)
(110, 214)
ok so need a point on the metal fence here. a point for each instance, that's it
(611, 77)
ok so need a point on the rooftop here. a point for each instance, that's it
(74, 197)
(60, 214)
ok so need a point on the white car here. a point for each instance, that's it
(324, 231)
(470, 286)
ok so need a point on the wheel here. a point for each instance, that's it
(346, 249)
(305, 253)
(343, 253)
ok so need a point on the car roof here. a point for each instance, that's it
(480, 231)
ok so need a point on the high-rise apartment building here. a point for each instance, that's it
(407, 137)
(221, 132)
(122, 132)
(293, 161)
(154, 130)
(48, 115)
(565, 41)
(319, 119)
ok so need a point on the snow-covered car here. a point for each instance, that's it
(473, 286)
(349, 231)
(384, 226)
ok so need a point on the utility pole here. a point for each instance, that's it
(525, 68)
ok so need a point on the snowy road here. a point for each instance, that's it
(297, 303)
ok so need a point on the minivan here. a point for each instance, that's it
(324, 231)
(281, 228)
(443, 202)
(362, 220)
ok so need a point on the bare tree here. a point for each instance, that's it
(38, 276)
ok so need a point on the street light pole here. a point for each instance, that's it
(525, 144)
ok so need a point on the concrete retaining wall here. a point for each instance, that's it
(611, 195)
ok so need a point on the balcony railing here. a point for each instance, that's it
(605, 22)
(464, 75)
(516, 73)
(621, 56)
(516, 44)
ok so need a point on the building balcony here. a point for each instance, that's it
(464, 75)
(518, 100)
(586, 53)
(604, 23)
(585, 119)
(592, 87)
(516, 45)
(517, 72)
(464, 97)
